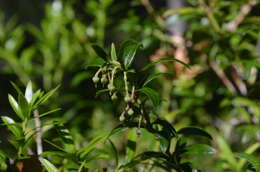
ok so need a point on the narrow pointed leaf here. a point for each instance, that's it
(29, 92)
(15, 128)
(128, 51)
(153, 95)
(48, 166)
(153, 76)
(192, 131)
(113, 52)
(100, 51)
(166, 59)
(15, 106)
(199, 149)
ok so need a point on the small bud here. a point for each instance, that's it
(122, 118)
(95, 79)
(130, 112)
(110, 86)
(114, 96)
(127, 98)
(139, 101)
(104, 79)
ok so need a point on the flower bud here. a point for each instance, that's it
(110, 86)
(130, 112)
(114, 96)
(95, 79)
(104, 79)
(127, 98)
(122, 118)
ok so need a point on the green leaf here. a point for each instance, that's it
(100, 51)
(14, 127)
(254, 160)
(48, 165)
(113, 52)
(99, 92)
(128, 51)
(153, 95)
(91, 145)
(46, 96)
(199, 149)
(166, 59)
(131, 145)
(64, 133)
(15, 106)
(154, 76)
(192, 131)
(97, 62)
(29, 92)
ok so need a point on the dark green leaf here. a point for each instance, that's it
(153, 95)
(153, 76)
(167, 59)
(100, 51)
(128, 51)
(199, 149)
(192, 131)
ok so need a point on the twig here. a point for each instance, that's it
(238, 81)
(244, 11)
(149, 8)
(210, 16)
(38, 132)
(223, 77)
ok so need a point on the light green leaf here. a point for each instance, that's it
(15, 106)
(29, 92)
(199, 149)
(131, 145)
(48, 165)
(254, 160)
(14, 127)
(113, 52)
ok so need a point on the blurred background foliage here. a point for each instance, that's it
(50, 42)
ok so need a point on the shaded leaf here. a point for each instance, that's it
(153, 76)
(48, 166)
(128, 51)
(100, 51)
(192, 131)
(153, 95)
(167, 59)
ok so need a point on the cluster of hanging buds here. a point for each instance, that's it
(106, 75)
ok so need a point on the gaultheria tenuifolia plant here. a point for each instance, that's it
(140, 101)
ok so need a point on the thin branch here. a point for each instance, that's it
(38, 132)
(244, 11)
(223, 77)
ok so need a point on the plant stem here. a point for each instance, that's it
(38, 132)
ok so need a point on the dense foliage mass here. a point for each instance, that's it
(132, 86)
